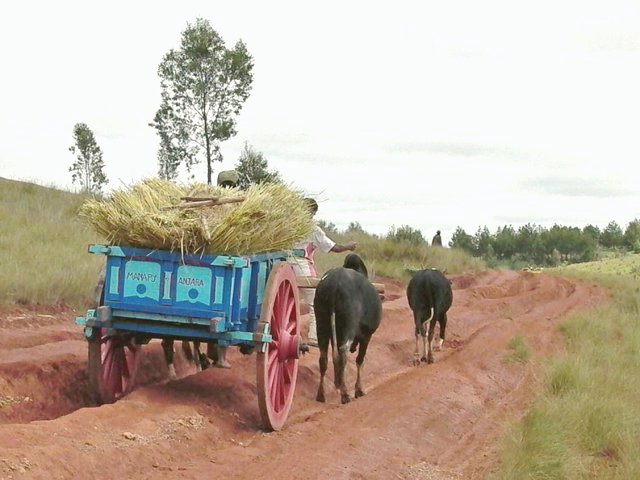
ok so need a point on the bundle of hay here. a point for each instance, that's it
(272, 217)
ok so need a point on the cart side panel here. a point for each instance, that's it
(228, 289)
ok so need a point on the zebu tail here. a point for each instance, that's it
(334, 347)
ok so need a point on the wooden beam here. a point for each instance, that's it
(312, 282)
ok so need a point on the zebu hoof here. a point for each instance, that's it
(222, 364)
(425, 360)
(359, 393)
(345, 398)
(203, 363)
(320, 397)
(430, 359)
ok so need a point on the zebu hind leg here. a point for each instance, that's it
(419, 327)
(339, 366)
(423, 332)
(432, 327)
(442, 321)
(323, 362)
(362, 352)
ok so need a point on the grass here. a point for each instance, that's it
(519, 351)
(628, 264)
(44, 247)
(586, 421)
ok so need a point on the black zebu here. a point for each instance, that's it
(429, 290)
(348, 312)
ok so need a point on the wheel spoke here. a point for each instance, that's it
(105, 349)
(279, 309)
(288, 372)
(125, 366)
(117, 371)
(290, 322)
(131, 354)
(275, 316)
(273, 356)
(284, 387)
(279, 391)
(273, 380)
(107, 362)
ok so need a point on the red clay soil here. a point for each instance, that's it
(439, 421)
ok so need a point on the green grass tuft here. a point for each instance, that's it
(519, 351)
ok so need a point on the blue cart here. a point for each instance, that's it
(248, 301)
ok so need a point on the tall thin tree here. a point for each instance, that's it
(204, 85)
(88, 169)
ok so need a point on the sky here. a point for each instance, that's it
(431, 114)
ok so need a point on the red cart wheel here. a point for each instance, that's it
(113, 364)
(278, 365)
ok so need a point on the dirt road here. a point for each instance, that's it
(440, 421)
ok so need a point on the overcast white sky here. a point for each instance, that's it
(428, 113)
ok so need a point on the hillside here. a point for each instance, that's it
(44, 247)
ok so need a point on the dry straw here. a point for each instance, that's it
(273, 217)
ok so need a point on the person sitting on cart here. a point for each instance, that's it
(228, 178)
(304, 267)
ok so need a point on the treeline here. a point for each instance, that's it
(534, 244)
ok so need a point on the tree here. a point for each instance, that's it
(504, 242)
(632, 234)
(204, 85)
(529, 243)
(482, 240)
(327, 227)
(406, 233)
(462, 240)
(354, 227)
(592, 231)
(173, 148)
(88, 169)
(253, 168)
(612, 235)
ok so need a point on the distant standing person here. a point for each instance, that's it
(303, 266)
(437, 241)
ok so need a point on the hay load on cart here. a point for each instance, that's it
(198, 218)
(198, 263)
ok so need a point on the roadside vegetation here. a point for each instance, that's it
(586, 422)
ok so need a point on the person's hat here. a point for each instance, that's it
(228, 177)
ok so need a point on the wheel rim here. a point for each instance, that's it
(113, 361)
(278, 365)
